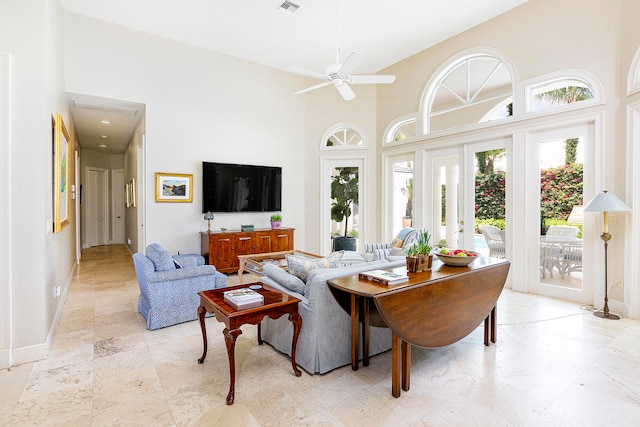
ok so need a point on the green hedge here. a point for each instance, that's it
(560, 190)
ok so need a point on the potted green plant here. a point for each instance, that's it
(276, 221)
(419, 256)
(344, 194)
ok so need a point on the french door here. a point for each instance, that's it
(451, 197)
(559, 171)
(354, 225)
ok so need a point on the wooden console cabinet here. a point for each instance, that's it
(221, 248)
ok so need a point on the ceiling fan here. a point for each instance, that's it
(339, 75)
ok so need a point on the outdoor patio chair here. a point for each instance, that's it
(495, 240)
(562, 232)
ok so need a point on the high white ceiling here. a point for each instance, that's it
(259, 31)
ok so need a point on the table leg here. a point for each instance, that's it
(230, 341)
(494, 320)
(365, 331)
(240, 270)
(406, 365)
(395, 362)
(486, 329)
(260, 333)
(297, 325)
(202, 311)
(355, 325)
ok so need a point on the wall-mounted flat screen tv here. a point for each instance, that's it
(228, 187)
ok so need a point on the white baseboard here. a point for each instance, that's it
(29, 354)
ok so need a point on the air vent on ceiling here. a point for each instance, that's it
(288, 6)
(117, 109)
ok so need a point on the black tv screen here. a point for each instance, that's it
(228, 187)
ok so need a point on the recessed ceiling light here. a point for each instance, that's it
(105, 122)
(102, 146)
(104, 136)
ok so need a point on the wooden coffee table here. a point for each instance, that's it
(254, 263)
(276, 304)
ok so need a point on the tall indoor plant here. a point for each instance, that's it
(344, 194)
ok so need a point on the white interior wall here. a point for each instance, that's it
(37, 93)
(200, 106)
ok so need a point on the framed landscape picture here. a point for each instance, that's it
(174, 187)
(61, 196)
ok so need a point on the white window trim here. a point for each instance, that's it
(589, 80)
(333, 128)
(393, 126)
(633, 78)
(430, 89)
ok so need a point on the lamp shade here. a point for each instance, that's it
(606, 202)
(576, 217)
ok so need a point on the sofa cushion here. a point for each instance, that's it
(351, 258)
(160, 257)
(285, 279)
(300, 267)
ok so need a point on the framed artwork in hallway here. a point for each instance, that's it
(61, 197)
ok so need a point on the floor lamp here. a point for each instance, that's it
(606, 202)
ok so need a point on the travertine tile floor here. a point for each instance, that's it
(555, 364)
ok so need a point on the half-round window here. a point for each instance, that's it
(401, 129)
(559, 92)
(343, 136)
(468, 90)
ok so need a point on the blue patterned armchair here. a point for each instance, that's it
(169, 285)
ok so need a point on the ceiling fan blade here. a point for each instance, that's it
(345, 91)
(360, 79)
(309, 89)
(353, 61)
(307, 73)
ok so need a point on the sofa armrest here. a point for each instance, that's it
(277, 286)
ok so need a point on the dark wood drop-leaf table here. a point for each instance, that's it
(433, 309)
(276, 304)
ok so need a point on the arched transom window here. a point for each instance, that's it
(343, 135)
(467, 91)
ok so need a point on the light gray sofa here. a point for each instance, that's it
(324, 342)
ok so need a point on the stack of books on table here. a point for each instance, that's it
(241, 299)
(384, 277)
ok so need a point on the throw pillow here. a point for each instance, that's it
(396, 243)
(402, 234)
(160, 257)
(287, 280)
(300, 267)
